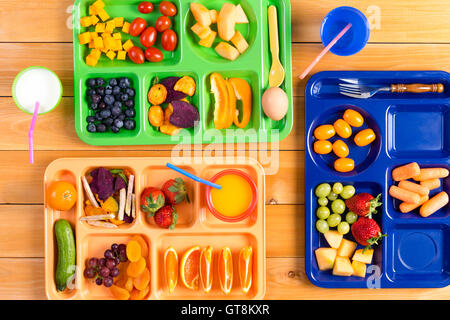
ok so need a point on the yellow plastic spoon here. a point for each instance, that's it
(276, 76)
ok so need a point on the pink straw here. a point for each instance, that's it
(30, 133)
(325, 50)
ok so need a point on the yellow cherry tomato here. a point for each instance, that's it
(322, 147)
(353, 118)
(324, 132)
(365, 137)
(340, 149)
(343, 129)
(344, 165)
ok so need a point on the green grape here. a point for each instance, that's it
(343, 227)
(338, 187)
(323, 213)
(351, 217)
(338, 206)
(348, 192)
(333, 220)
(322, 226)
(332, 196)
(323, 190)
(322, 201)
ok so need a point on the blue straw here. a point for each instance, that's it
(191, 176)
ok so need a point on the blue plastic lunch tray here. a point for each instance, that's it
(409, 128)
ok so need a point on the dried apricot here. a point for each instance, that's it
(139, 294)
(156, 116)
(135, 269)
(134, 252)
(157, 94)
(119, 293)
(186, 85)
(129, 284)
(143, 244)
(142, 281)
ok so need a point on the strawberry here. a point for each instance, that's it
(367, 232)
(363, 204)
(166, 217)
(152, 199)
(175, 191)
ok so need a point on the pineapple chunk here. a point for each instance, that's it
(111, 55)
(209, 40)
(86, 21)
(342, 267)
(103, 14)
(94, 20)
(227, 51)
(241, 17)
(126, 27)
(118, 22)
(359, 269)
(121, 55)
(99, 43)
(201, 31)
(364, 257)
(334, 238)
(239, 42)
(84, 38)
(346, 248)
(214, 14)
(325, 258)
(128, 45)
(91, 61)
(100, 27)
(96, 53)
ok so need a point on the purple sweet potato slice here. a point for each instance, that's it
(184, 115)
(170, 82)
(102, 183)
(173, 95)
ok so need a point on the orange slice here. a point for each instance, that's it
(189, 268)
(226, 270)
(171, 268)
(246, 268)
(206, 275)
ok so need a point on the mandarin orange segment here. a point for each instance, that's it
(225, 267)
(246, 268)
(134, 252)
(171, 268)
(206, 263)
(139, 294)
(135, 269)
(144, 246)
(143, 280)
(189, 268)
(119, 293)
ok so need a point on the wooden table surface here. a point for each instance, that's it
(412, 35)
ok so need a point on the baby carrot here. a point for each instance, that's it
(404, 195)
(434, 204)
(431, 184)
(431, 173)
(414, 187)
(408, 207)
(406, 172)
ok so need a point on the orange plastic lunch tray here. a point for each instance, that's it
(196, 226)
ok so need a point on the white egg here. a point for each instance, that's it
(275, 103)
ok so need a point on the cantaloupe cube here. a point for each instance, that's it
(227, 51)
(103, 14)
(86, 22)
(121, 55)
(214, 14)
(99, 43)
(110, 26)
(201, 31)
(126, 27)
(241, 17)
(111, 55)
(94, 20)
(364, 257)
(359, 269)
(99, 4)
(201, 14)
(117, 36)
(100, 27)
(239, 42)
(96, 53)
(91, 61)
(325, 258)
(333, 238)
(342, 267)
(346, 248)
(118, 21)
(209, 40)
(84, 38)
(128, 45)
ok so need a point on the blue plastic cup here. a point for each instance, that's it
(354, 40)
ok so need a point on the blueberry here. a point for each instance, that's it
(129, 103)
(96, 98)
(91, 92)
(129, 124)
(118, 123)
(118, 104)
(101, 91)
(121, 117)
(102, 105)
(100, 82)
(108, 122)
(116, 111)
(101, 127)
(109, 100)
(90, 119)
(98, 116)
(116, 90)
(115, 129)
(91, 83)
(124, 97)
(130, 113)
(124, 83)
(113, 82)
(105, 114)
(130, 92)
(91, 128)
(93, 106)
(108, 91)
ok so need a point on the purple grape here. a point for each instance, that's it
(109, 254)
(114, 272)
(102, 262)
(89, 273)
(117, 260)
(108, 282)
(93, 263)
(104, 272)
(115, 247)
(122, 247)
(123, 258)
(99, 281)
(110, 263)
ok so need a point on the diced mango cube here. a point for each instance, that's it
(91, 61)
(111, 55)
(110, 26)
(121, 55)
(94, 20)
(104, 50)
(84, 38)
(99, 4)
(103, 14)
(106, 35)
(108, 43)
(100, 27)
(86, 22)
(94, 35)
(99, 43)
(209, 40)
(126, 27)
(119, 22)
(117, 45)
(96, 53)
(359, 269)
(117, 36)
(128, 45)
(91, 44)
(92, 10)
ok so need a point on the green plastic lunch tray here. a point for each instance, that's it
(189, 59)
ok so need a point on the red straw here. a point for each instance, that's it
(30, 133)
(325, 50)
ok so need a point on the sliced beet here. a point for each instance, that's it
(184, 115)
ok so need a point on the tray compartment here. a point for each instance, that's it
(236, 241)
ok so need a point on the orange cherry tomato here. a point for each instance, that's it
(353, 118)
(61, 196)
(322, 147)
(324, 132)
(365, 137)
(340, 149)
(343, 129)
(344, 165)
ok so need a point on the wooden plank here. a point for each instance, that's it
(22, 183)
(58, 57)
(399, 20)
(23, 279)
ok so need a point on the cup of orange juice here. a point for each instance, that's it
(237, 198)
